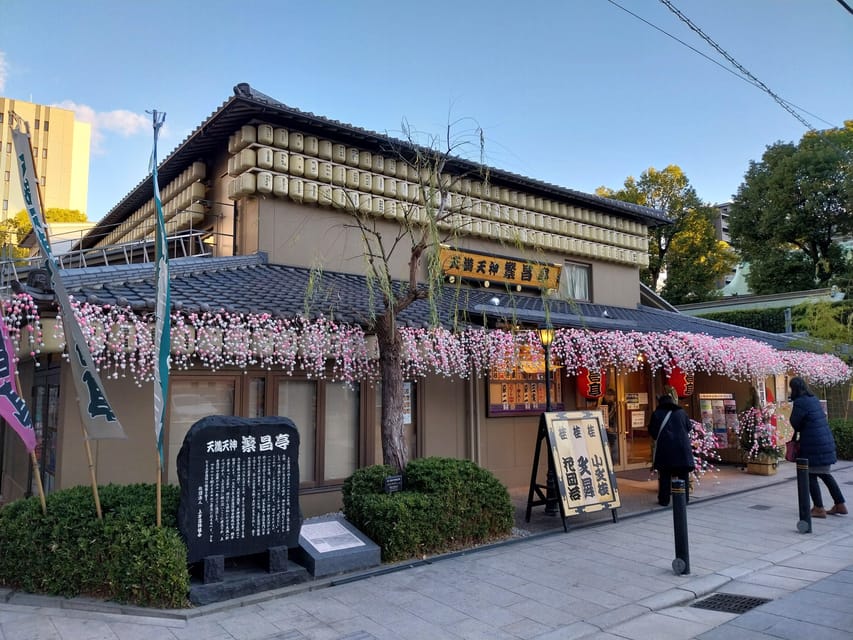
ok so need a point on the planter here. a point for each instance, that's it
(762, 465)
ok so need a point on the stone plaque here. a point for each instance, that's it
(329, 536)
(239, 482)
(330, 545)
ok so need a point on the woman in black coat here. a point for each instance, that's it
(817, 444)
(673, 457)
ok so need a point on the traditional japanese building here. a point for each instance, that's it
(266, 207)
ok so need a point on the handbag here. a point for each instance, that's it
(792, 450)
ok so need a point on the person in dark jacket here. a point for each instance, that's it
(673, 456)
(817, 444)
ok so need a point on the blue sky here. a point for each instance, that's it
(577, 93)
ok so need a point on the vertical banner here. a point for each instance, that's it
(97, 415)
(12, 408)
(162, 326)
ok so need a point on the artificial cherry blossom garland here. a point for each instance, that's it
(122, 345)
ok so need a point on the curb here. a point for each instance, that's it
(676, 596)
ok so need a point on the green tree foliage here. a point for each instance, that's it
(686, 250)
(15, 228)
(791, 209)
(21, 220)
(771, 320)
(828, 325)
(697, 261)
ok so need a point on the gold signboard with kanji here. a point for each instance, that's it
(483, 267)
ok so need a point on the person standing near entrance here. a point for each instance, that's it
(673, 457)
(612, 411)
(817, 444)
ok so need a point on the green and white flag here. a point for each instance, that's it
(162, 324)
(99, 420)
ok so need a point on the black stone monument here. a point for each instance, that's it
(239, 482)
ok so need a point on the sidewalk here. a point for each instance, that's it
(601, 580)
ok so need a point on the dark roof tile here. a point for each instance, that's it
(248, 284)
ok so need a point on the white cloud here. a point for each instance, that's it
(122, 122)
(4, 71)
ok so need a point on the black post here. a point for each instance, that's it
(551, 477)
(681, 564)
(804, 524)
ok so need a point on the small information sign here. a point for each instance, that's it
(329, 536)
(393, 484)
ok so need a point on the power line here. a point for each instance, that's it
(782, 102)
(846, 6)
(710, 59)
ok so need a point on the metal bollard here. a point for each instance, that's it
(681, 564)
(804, 524)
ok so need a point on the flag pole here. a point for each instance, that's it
(40, 227)
(92, 475)
(162, 321)
(37, 473)
(159, 494)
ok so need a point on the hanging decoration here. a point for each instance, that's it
(681, 380)
(121, 342)
(591, 383)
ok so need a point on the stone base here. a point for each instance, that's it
(329, 545)
(244, 576)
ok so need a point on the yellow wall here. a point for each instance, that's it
(121, 461)
(65, 170)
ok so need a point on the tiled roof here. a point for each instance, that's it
(249, 284)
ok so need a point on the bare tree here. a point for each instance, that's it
(430, 213)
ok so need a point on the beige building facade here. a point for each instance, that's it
(279, 201)
(61, 147)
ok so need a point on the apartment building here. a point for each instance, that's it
(61, 146)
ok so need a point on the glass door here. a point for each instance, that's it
(635, 408)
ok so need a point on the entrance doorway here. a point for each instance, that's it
(627, 425)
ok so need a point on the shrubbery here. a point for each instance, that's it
(446, 504)
(69, 552)
(843, 431)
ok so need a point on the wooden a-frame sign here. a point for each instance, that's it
(579, 458)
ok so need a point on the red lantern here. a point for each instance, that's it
(681, 381)
(591, 384)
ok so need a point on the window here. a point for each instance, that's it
(44, 181)
(342, 417)
(44, 153)
(297, 400)
(326, 414)
(38, 123)
(46, 127)
(7, 177)
(575, 282)
(35, 153)
(5, 205)
(189, 400)
(1, 117)
(8, 147)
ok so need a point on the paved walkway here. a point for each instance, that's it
(601, 580)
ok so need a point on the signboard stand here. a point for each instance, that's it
(579, 464)
(542, 490)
